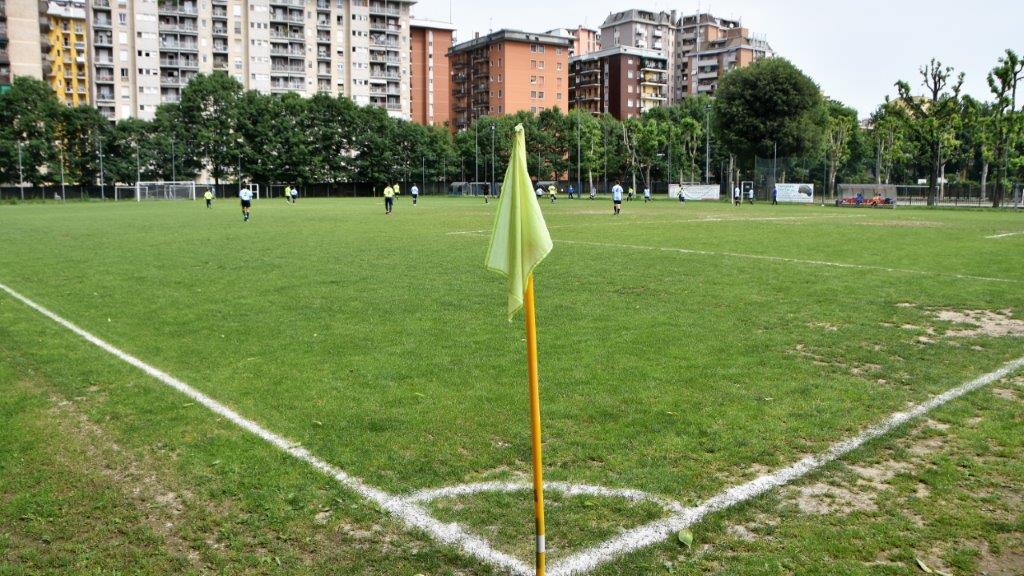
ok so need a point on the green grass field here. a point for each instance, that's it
(683, 349)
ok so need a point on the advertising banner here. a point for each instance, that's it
(695, 191)
(795, 193)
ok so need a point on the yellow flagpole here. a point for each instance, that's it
(538, 475)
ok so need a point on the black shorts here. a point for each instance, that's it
(617, 202)
(246, 203)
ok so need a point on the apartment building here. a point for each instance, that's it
(646, 30)
(5, 58)
(708, 47)
(129, 56)
(584, 40)
(508, 71)
(699, 48)
(429, 73)
(622, 81)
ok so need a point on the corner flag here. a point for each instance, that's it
(519, 242)
(520, 238)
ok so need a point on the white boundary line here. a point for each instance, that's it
(414, 515)
(780, 259)
(410, 510)
(1004, 235)
(685, 221)
(792, 260)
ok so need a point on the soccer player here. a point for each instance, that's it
(775, 195)
(389, 199)
(593, 192)
(245, 195)
(616, 199)
(571, 191)
(208, 196)
(295, 194)
(647, 194)
(415, 191)
(487, 193)
(736, 196)
(631, 195)
(553, 192)
(288, 194)
(540, 192)
(750, 196)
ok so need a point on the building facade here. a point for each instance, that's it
(622, 81)
(699, 48)
(429, 73)
(129, 56)
(584, 40)
(708, 47)
(505, 72)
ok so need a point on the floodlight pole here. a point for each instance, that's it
(99, 150)
(63, 189)
(707, 138)
(21, 174)
(492, 160)
(138, 173)
(579, 176)
(174, 171)
(476, 152)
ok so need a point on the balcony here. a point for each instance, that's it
(101, 3)
(220, 48)
(105, 78)
(103, 41)
(220, 12)
(287, 3)
(382, 8)
(180, 46)
(287, 52)
(101, 23)
(283, 17)
(217, 31)
(170, 9)
(178, 63)
(105, 96)
(287, 69)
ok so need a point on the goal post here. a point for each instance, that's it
(165, 191)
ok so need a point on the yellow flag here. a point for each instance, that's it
(520, 238)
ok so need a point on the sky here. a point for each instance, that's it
(855, 50)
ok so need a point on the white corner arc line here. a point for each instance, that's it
(414, 515)
(654, 532)
(1004, 235)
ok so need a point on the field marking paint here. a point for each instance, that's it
(657, 531)
(410, 508)
(791, 260)
(1004, 235)
(685, 221)
(414, 515)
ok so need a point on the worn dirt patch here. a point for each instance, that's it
(1008, 562)
(985, 323)
(821, 498)
(1005, 394)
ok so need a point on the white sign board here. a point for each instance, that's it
(694, 191)
(795, 193)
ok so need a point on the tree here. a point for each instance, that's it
(209, 107)
(840, 130)
(78, 135)
(1002, 82)
(29, 113)
(888, 135)
(932, 115)
(768, 107)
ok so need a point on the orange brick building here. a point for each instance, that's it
(429, 71)
(508, 71)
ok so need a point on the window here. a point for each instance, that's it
(533, 79)
(540, 64)
(540, 95)
(533, 64)
(558, 66)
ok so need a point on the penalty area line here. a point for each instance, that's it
(1008, 234)
(411, 513)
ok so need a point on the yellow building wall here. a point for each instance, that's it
(69, 62)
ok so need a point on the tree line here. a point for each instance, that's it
(767, 110)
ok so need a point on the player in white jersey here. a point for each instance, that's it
(415, 191)
(617, 198)
(245, 195)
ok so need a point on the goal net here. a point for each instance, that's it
(165, 191)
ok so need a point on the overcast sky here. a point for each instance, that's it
(854, 49)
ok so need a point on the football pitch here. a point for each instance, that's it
(355, 397)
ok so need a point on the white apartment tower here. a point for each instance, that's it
(145, 51)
